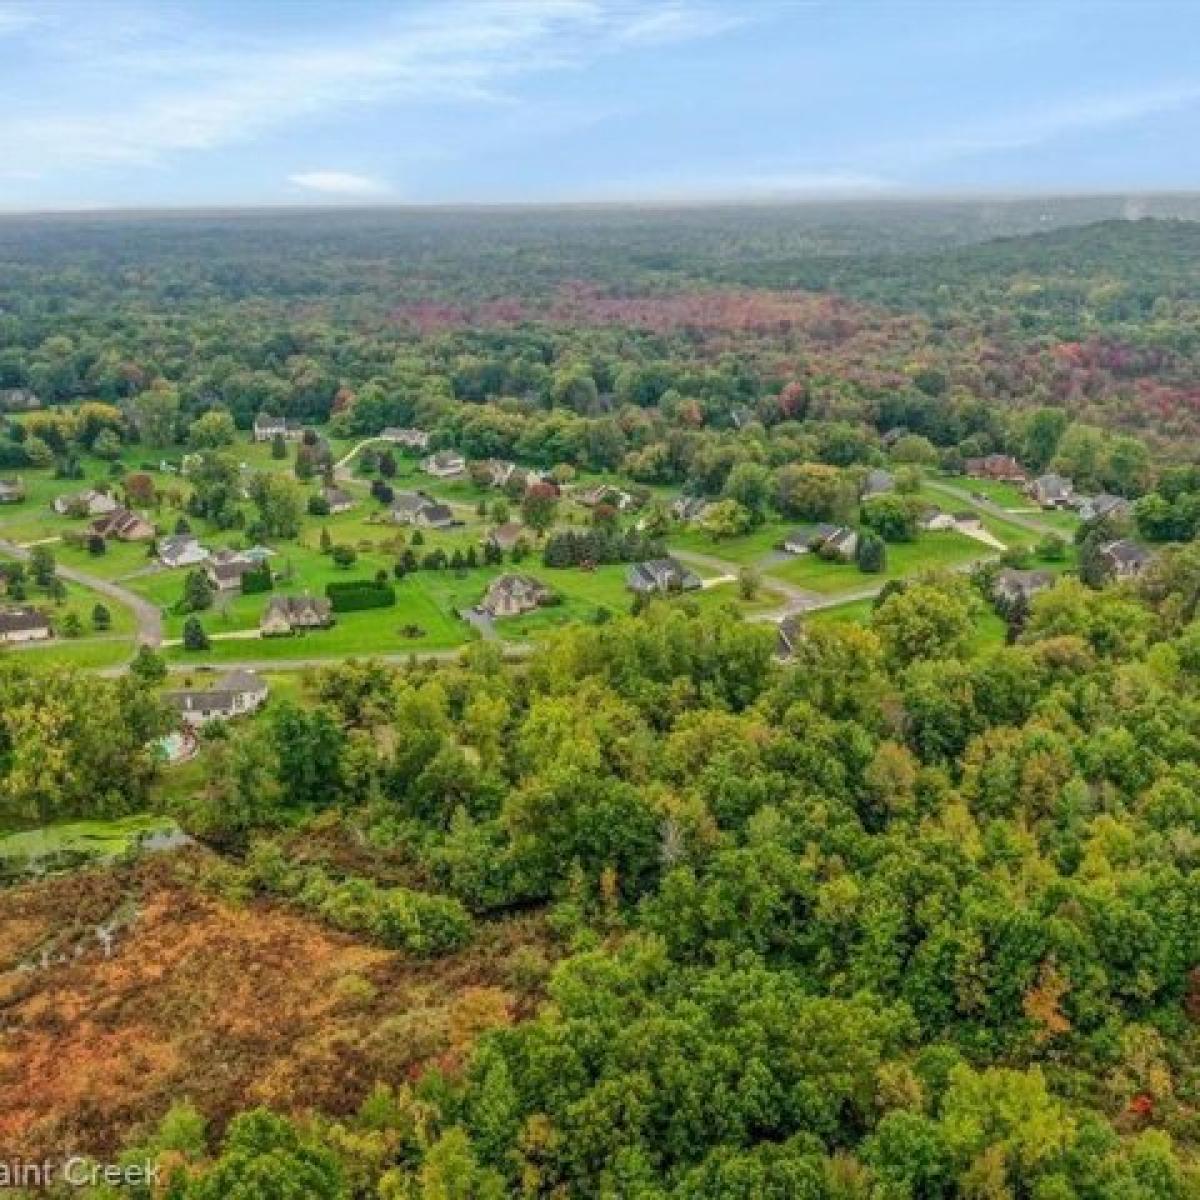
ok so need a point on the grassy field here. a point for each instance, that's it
(931, 551)
(749, 548)
(1010, 496)
(93, 649)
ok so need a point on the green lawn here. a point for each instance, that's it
(930, 552)
(749, 548)
(94, 648)
(1010, 496)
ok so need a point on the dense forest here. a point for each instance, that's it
(652, 911)
(891, 920)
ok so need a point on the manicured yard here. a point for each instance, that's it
(749, 548)
(930, 552)
(93, 648)
(1010, 496)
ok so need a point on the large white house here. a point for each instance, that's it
(23, 625)
(234, 695)
(444, 464)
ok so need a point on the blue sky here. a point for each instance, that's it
(142, 103)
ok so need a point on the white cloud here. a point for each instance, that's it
(152, 92)
(339, 183)
(676, 22)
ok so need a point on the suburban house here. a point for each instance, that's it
(1125, 558)
(511, 595)
(842, 543)
(181, 550)
(12, 491)
(286, 614)
(406, 505)
(23, 625)
(123, 525)
(1012, 585)
(19, 400)
(1097, 508)
(604, 493)
(233, 695)
(267, 428)
(434, 516)
(226, 568)
(88, 503)
(791, 630)
(496, 472)
(1051, 491)
(338, 499)
(689, 508)
(1001, 467)
(807, 537)
(877, 483)
(444, 464)
(933, 519)
(661, 575)
(410, 439)
(416, 508)
(506, 536)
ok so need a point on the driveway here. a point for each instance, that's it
(991, 507)
(482, 621)
(147, 615)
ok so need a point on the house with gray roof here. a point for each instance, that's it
(805, 538)
(226, 568)
(506, 536)
(1124, 558)
(88, 503)
(1051, 491)
(444, 464)
(233, 695)
(1012, 586)
(12, 491)
(288, 614)
(24, 625)
(1102, 507)
(661, 575)
(410, 439)
(338, 499)
(511, 595)
(267, 428)
(181, 550)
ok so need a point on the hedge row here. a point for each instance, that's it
(351, 595)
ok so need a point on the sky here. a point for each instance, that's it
(153, 103)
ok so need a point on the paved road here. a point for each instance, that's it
(796, 596)
(511, 650)
(148, 617)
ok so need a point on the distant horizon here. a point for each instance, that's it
(814, 200)
(159, 105)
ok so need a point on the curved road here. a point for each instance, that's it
(148, 617)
